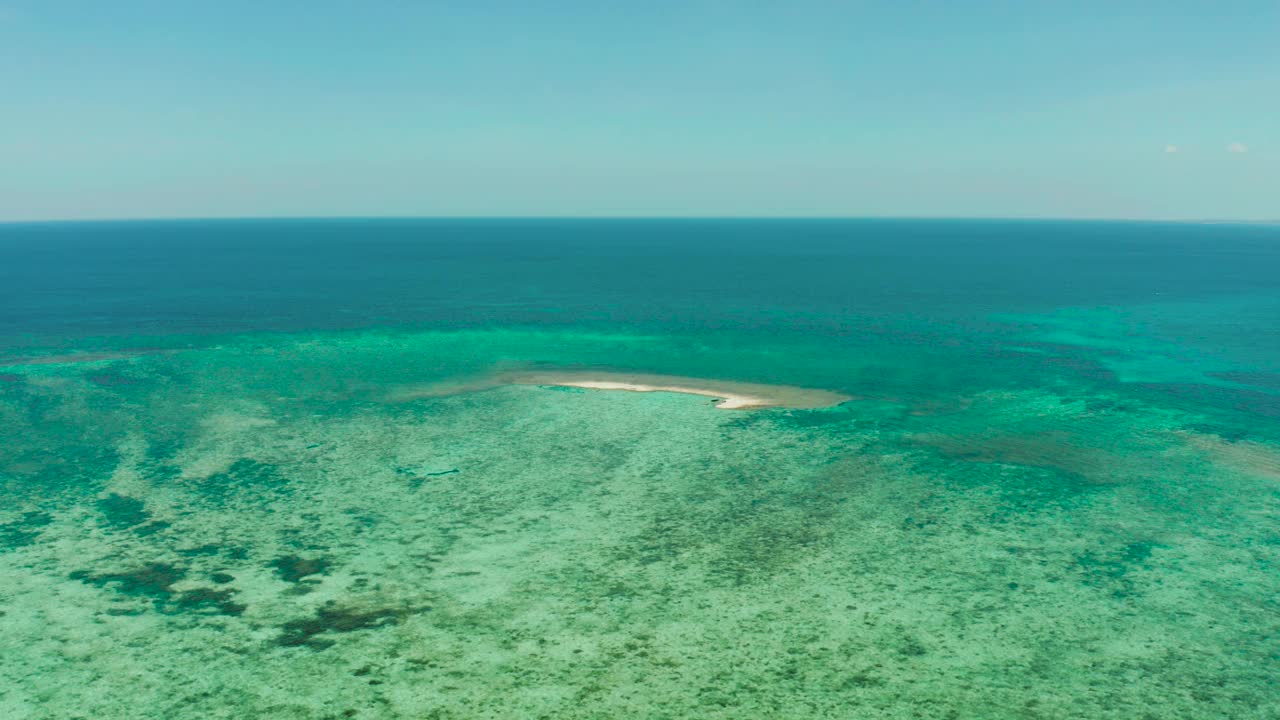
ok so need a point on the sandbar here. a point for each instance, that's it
(729, 395)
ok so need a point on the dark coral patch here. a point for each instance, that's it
(292, 568)
(154, 580)
(232, 552)
(152, 527)
(1228, 433)
(1267, 380)
(333, 619)
(207, 549)
(1111, 567)
(208, 599)
(244, 475)
(24, 531)
(110, 379)
(121, 511)
(160, 472)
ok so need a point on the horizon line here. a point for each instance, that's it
(296, 218)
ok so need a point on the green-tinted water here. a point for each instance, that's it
(1065, 513)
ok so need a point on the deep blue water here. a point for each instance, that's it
(69, 280)
(1186, 309)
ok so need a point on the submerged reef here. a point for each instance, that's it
(23, 531)
(123, 512)
(292, 568)
(331, 619)
(154, 580)
(270, 528)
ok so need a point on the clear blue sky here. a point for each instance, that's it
(141, 108)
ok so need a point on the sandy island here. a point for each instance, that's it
(728, 395)
(725, 401)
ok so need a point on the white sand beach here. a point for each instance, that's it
(725, 401)
(729, 395)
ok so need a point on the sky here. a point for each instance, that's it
(1098, 109)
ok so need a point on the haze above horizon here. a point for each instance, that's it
(1115, 110)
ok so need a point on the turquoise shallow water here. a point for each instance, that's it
(229, 490)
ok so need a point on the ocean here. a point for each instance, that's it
(363, 469)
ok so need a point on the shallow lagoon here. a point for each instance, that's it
(1027, 510)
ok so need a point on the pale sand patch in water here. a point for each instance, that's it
(81, 358)
(1253, 458)
(65, 359)
(729, 395)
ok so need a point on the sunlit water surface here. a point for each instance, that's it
(231, 486)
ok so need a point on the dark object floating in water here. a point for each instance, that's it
(334, 619)
(222, 578)
(411, 471)
(562, 388)
(292, 568)
(416, 479)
